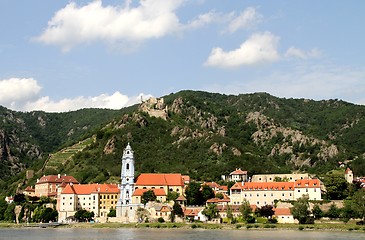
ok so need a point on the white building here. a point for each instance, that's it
(265, 193)
(126, 210)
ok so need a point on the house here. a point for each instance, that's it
(9, 199)
(283, 215)
(195, 214)
(159, 193)
(160, 210)
(265, 193)
(235, 176)
(160, 183)
(29, 191)
(349, 176)
(97, 198)
(48, 185)
(218, 201)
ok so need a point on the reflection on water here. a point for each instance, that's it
(158, 234)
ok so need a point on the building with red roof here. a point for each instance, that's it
(97, 198)
(235, 176)
(265, 193)
(48, 185)
(160, 183)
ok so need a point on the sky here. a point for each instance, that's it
(60, 56)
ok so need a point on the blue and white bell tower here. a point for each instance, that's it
(125, 209)
(127, 176)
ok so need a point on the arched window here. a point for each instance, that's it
(127, 166)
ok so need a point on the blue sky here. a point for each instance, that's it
(66, 55)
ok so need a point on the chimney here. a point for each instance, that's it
(242, 183)
(59, 175)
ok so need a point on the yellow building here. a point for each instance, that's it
(160, 183)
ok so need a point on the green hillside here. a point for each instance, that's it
(205, 135)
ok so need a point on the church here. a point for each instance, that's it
(131, 192)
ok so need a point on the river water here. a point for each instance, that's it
(174, 234)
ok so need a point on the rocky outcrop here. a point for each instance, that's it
(110, 146)
(287, 140)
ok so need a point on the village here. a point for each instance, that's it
(165, 197)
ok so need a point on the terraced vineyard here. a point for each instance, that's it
(57, 160)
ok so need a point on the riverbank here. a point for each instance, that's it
(325, 226)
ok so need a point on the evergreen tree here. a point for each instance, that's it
(245, 210)
(300, 210)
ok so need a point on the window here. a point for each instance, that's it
(258, 195)
(306, 190)
(127, 166)
(298, 190)
(283, 194)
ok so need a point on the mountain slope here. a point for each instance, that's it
(205, 135)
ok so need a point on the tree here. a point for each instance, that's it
(347, 212)
(193, 194)
(148, 196)
(3, 207)
(229, 213)
(207, 193)
(245, 210)
(219, 195)
(300, 210)
(112, 213)
(172, 196)
(211, 211)
(336, 186)
(266, 211)
(333, 212)
(83, 215)
(9, 214)
(358, 203)
(317, 212)
(177, 210)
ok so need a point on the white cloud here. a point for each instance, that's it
(15, 91)
(23, 94)
(246, 20)
(298, 53)
(259, 48)
(75, 25)
(114, 101)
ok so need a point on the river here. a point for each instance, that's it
(174, 234)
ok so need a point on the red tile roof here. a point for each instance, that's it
(218, 200)
(307, 183)
(347, 170)
(223, 188)
(158, 192)
(279, 186)
(57, 179)
(29, 189)
(192, 212)
(181, 198)
(160, 179)
(238, 172)
(282, 211)
(90, 188)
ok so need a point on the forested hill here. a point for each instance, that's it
(205, 135)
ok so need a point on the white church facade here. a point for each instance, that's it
(126, 209)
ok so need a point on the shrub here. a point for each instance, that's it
(272, 220)
(193, 226)
(301, 228)
(161, 220)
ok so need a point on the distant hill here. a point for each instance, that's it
(197, 133)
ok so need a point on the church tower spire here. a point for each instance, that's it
(127, 176)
